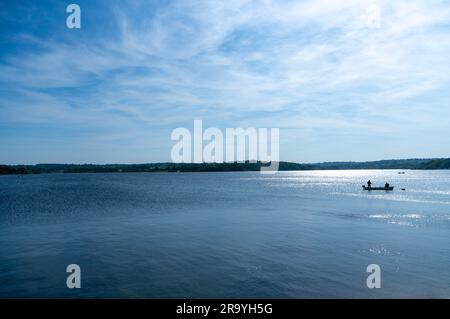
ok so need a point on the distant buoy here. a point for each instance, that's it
(403, 189)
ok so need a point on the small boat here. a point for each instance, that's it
(390, 188)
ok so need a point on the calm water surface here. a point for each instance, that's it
(289, 235)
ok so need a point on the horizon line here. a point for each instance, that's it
(236, 162)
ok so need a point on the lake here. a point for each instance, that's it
(308, 234)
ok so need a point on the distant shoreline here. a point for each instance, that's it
(419, 164)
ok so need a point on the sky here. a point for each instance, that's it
(342, 80)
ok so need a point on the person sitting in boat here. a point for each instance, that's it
(386, 185)
(369, 183)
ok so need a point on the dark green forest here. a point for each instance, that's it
(443, 163)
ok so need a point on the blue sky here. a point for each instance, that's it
(338, 87)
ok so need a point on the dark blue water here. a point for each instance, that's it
(293, 234)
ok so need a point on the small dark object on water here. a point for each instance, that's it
(403, 189)
(390, 188)
(369, 187)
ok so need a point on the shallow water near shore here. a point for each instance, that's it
(308, 234)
